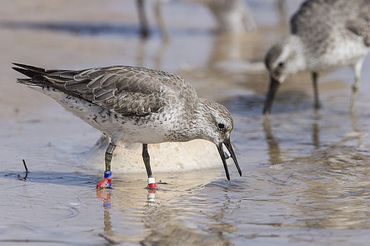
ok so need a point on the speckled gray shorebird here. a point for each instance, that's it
(135, 105)
(231, 16)
(324, 34)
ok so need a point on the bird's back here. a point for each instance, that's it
(320, 23)
(149, 105)
(314, 14)
(124, 89)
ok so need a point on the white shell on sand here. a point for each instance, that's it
(164, 157)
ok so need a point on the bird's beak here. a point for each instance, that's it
(274, 86)
(223, 158)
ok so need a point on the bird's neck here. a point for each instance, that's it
(200, 120)
(193, 124)
(297, 51)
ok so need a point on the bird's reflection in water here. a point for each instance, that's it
(334, 184)
(328, 186)
(316, 135)
(105, 195)
(163, 215)
(316, 129)
(168, 225)
(356, 132)
(143, 55)
(272, 143)
(218, 225)
(273, 148)
(151, 197)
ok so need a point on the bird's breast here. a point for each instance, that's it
(342, 50)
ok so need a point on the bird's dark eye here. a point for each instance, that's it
(221, 126)
(281, 64)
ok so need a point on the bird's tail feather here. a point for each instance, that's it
(35, 74)
(26, 82)
(30, 68)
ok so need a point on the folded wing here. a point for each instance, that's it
(130, 91)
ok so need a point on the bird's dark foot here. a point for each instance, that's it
(144, 34)
(151, 184)
(354, 88)
(106, 183)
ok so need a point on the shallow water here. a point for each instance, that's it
(306, 173)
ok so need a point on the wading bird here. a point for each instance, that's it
(135, 105)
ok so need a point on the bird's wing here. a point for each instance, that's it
(359, 24)
(130, 91)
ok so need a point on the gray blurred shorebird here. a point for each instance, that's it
(324, 34)
(231, 16)
(135, 105)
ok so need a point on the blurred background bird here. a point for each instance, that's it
(324, 34)
(231, 16)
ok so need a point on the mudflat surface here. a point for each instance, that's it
(306, 173)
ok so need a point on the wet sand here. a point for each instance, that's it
(306, 174)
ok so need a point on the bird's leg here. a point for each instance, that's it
(248, 21)
(316, 135)
(144, 29)
(146, 158)
(281, 7)
(107, 181)
(315, 76)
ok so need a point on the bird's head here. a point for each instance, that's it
(282, 59)
(217, 126)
